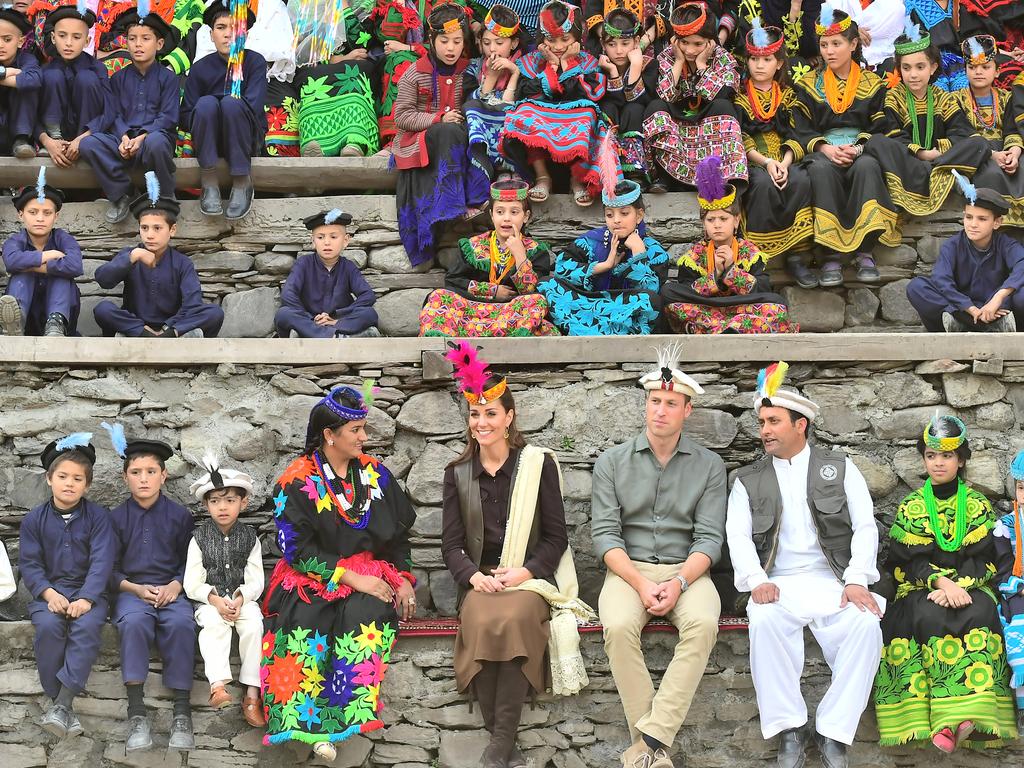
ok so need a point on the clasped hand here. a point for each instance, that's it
(659, 598)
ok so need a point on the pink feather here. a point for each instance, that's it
(710, 184)
(608, 162)
(470, 371)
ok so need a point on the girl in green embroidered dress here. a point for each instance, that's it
(943, 675)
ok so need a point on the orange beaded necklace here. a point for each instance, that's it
(764, 112)
(842, 102)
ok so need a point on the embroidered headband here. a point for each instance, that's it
(509, 191)
(612, 31)
(978, 50)
(349, 414)
(937, 443)
(471, 374)
(695, 26)
(911, 41)
(552, 28)
(713, 194)
(760, 40)
(449, 26)
(496, 29)
(626, 193)
(826, 25)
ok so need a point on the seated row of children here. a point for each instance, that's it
(324, 295)
(156, 574)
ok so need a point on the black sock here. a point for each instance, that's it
(181, 702)
(66, 697)
(136, 706)
(652, 742)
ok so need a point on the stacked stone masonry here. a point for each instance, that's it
(256, 415)
(242, 266)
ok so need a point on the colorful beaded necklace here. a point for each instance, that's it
(348, 489)
(842, 102)
(980, 115)
(766, 112)
(930, 117)
(959, 522)
(504, 260)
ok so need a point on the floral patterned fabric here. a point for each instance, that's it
(327, 648)
(941, 666)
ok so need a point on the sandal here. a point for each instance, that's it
(945, 741)
(541, 189)
(252, 711)
(831, 274)
(581, 195)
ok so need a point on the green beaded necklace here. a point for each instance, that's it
(930, 125)
(960, 521)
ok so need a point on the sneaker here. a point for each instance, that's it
(312, 149)
(195, 333)
(74, 725)
(23, 148)
(12, 322)
(56, 325)
(325, 750)
(661, 759)
(181, 737)
(56, 720)
(951, 324)
(352, 150)
(1005, 324)
(139, 734)
(639, 755)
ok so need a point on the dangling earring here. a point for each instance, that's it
(506, 433)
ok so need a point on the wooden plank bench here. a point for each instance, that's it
(447, 627)
(301, 175)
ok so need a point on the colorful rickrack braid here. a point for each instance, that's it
(826, 25)
(551, 28)
(978, 50)
(613, 31)
(695, 26)
(509, 191)
(496, 29)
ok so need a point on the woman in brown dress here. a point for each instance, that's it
(500, 651)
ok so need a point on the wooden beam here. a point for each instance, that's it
(308, 175)
(804, 347)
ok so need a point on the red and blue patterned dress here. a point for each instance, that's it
(327, 648)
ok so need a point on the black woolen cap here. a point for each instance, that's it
(17, 18)
(28, 193)
(320, 219)
(139, 446)
(50, 453)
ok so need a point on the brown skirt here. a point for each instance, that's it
(503, 626)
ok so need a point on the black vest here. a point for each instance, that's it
(826, 498)
(224, 557)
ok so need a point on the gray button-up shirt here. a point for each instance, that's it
(658, 515)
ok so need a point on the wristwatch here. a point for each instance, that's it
(682, 582)
(3, 73)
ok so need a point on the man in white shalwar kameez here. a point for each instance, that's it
(801, 533)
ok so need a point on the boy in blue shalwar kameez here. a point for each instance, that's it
(162, 297)
(151, 535)
(21, 80)
(325, 295)
(977, 283)
(66, 557)
(43, 262)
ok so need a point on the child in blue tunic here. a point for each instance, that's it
(1009, 542)
(225, 115)
(151, 535)
(162, 297)
(977, 283)
(20, 82)
(607, 282)
(66, 556)
(325, 295)
(141, 130)
(76, 98)
(43, 262)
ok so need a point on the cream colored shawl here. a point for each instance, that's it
(568, 673)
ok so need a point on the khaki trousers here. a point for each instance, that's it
(658, 715)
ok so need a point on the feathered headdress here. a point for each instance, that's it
(763, 41)
(616, 191)
(770, 379)
(713, 194)
(758, 34)
(828, 15)
(41, 184)
(966, 187)
(979, 49)
(74, 440)
(911, 41)
(769, 392)
(471, 374)
(217, 478)
(117, 438)
(152, 187)
(82, 7)
(332, 215)
(939, 433)
(827, 24)
(143, 9)
(667, 375)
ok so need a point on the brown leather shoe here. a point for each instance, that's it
(219, 698)
(252, 711)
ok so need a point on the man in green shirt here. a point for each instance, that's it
(658, 523)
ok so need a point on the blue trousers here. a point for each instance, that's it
(173, 630)
(930, 304)
(113, 319)
(224, 127)
(66, 648)
(156, 154)
(287, 320)
(18, 110)
(39, 296)
(70, 101)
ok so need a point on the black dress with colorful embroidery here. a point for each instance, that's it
(468, 304)
(942, 666)
(740, 301)
(935, 122)
(775, 220)
(326, 647)
(996, 119)
(852, 206)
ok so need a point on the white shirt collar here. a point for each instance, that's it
(800, 460)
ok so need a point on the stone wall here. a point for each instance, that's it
(243, 265)
(256, 414)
